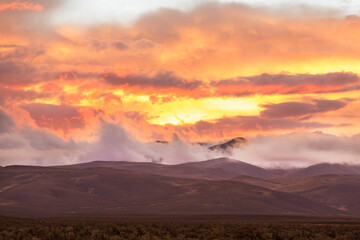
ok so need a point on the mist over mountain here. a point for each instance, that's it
(114, 143)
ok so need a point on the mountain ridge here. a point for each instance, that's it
(223, 166)
(123, 188)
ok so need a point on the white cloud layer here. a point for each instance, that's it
(28, 146)
(124, 11)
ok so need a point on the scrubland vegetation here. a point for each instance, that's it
(34, 229)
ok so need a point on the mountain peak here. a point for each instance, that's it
(229, 145)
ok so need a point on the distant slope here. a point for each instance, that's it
(266, 183)
(181, 170)
(324, 169)
(339, 191)
(232, 166)
(221, 169)
(48, 192)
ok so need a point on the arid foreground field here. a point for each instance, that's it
(245, 227)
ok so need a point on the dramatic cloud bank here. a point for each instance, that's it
(207, 73)
(31, 146)
(300, 150)
(160, 80)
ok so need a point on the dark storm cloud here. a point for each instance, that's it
(265, 84)
(328, 79)
(55, 116)
(253, 123)
(72, 75)
(298, 109)
(8, 45)
(120, 45)
(109, 44)
(288, 84)
(16, 73)
(18, 66)
(22, 73)
(163, 79)
(23, 53)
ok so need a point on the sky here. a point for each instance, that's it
(102, 80)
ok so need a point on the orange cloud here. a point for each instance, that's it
(21, 6)
(55, 117)
(229, 40)
(271, 84)
(226, 66)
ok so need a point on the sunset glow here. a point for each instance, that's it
(204, 72)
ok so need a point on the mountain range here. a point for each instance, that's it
(217, 186)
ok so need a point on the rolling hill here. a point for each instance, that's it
(218, 186)
(324, 169)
